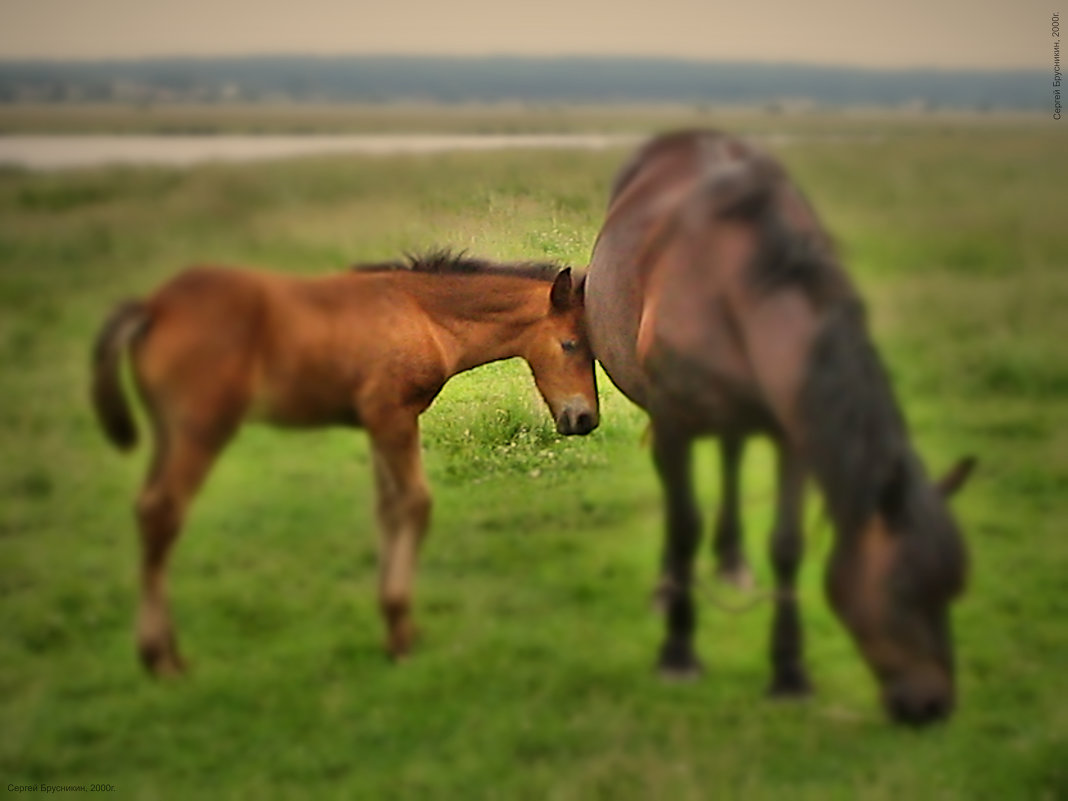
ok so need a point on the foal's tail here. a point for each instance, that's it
(109, 401)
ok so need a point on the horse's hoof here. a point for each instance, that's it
(658, 599)
(679, 675)
(678, 664)
(791, 686)
(738, 576)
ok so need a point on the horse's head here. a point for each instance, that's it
(558, 352)
(892, 586)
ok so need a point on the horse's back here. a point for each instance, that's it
(660, 284)
(675, 315)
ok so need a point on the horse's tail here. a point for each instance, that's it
(112, 408)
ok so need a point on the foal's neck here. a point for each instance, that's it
(480, 319)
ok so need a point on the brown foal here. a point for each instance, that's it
(369, 348)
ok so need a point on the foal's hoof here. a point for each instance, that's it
(399, 646)
(791, 685)
(398, 652)
(161, 662)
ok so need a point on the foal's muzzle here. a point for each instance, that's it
(577, 420)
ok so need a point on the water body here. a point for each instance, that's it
(56, 152)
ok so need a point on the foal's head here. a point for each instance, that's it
(558, 352)
(892, 585)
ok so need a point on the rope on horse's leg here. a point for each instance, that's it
(746, 606)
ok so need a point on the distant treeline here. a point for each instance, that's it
(497, 79)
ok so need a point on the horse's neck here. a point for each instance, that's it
(480, 319)
(855, 436)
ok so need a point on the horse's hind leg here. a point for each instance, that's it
(788, 677)
(672, 457)
(727, 543)
(182, 459)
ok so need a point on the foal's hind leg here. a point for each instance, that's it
(672, 457)
(403, 514)
(730, 559)
(789, 677)
(182, 459)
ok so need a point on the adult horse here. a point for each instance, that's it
(371, 348)
(715, 302)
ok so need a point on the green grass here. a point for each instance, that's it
(534, 677)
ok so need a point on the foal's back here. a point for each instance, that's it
(285, 349)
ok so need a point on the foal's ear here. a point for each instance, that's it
(956, 477)
(580, 290)
(560, 295)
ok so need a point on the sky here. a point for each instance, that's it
(988, 34)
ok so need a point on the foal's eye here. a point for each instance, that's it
(569, 345)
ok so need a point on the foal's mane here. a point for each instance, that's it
(446, 262)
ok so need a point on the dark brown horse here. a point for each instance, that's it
(370, 348)
(715, 301)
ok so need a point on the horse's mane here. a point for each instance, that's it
(446, 262)
(856, 438)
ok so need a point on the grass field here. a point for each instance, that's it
(534, 676)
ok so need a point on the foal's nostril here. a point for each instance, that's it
(571, 422)
(584, 423)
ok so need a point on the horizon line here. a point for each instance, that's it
(569, 56)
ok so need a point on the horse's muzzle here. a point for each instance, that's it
(919, 705)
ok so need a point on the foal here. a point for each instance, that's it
(368, 348)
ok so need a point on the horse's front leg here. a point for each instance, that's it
(787, 645)
(731, 566)
(403, 507)
(672, 457)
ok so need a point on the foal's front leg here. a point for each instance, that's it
(403, 506)
(671, 455)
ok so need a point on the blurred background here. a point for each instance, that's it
(139, 137)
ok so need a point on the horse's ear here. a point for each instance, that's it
(956, 477)
(560, 295)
